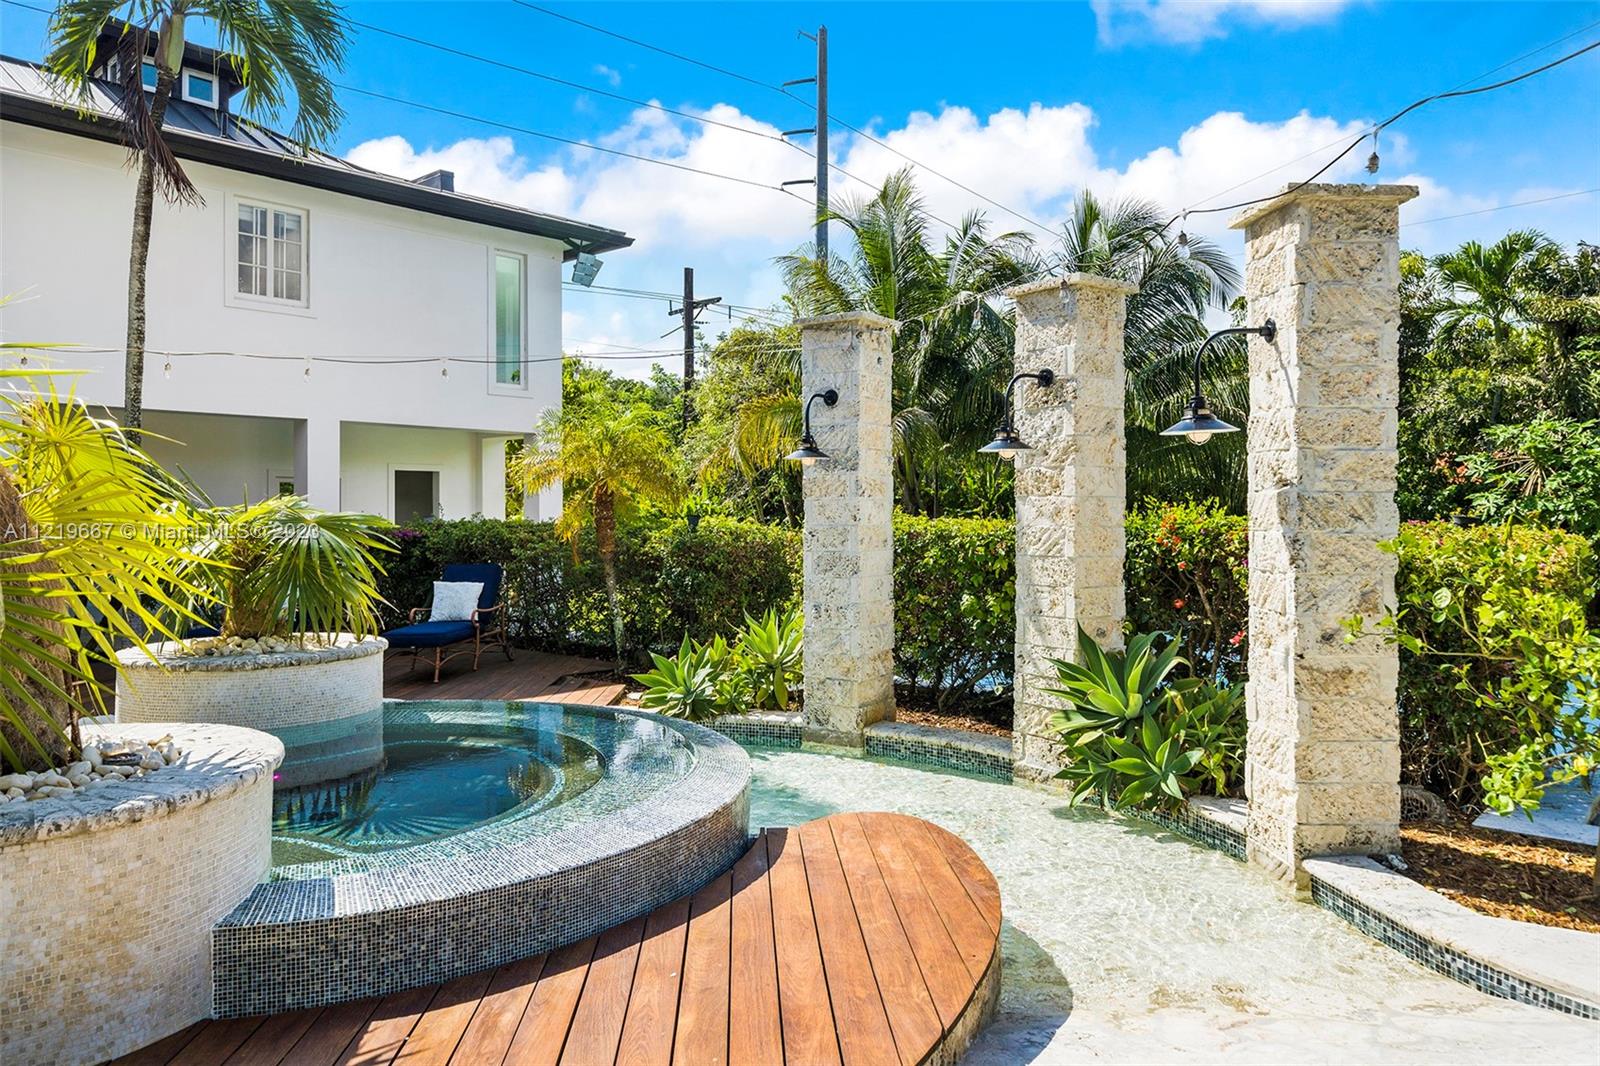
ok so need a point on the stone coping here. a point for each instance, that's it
(847, 320)
(1501, 956)
(1394, 194)
(1075, 280)
(952, 749)
(511, 851)
(346, 646)
(217, 761)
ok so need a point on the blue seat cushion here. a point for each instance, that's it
(428, 634)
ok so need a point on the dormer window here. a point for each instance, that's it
(200, 88)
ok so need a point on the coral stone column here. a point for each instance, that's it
(1323, 764)
(1070, 491)
(849, 537)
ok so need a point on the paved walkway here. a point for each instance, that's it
(857, 939)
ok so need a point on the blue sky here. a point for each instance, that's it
(1025, 103)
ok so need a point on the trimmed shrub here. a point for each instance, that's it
(1186, 577)
(955, 606)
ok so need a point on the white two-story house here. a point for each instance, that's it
(370, 342)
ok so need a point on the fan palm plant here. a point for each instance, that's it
(610, 462)
(282, 50)
(1484, 284)
(91, 550)
(281, 567)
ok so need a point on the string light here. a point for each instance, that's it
(1372, 160)
(1183, 238)
(308, 368)
(166, 368)
(444, 366)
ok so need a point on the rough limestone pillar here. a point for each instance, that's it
(1070, 492)
(849, 537)
(1323, 765)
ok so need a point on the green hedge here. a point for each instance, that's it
(955, 607)
(1186, 576)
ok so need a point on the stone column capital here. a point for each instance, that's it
(848, 320)
(1325, 192)
(1076, 280)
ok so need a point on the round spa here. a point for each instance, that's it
(490, 832)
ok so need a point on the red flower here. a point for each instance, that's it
(1236, 638)
(1178, 603)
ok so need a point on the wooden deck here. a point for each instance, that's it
(857, 940)
(533, 675)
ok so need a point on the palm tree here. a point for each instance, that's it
(1485, 284)
(952, 351)
(283, 49)
(610, 461)
(1166, 322)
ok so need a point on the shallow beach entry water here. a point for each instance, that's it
(1124, 943)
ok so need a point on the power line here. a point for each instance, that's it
(465, 117)
(1504, 207)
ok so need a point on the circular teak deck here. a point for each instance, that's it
(863, 939)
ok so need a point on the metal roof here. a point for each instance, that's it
(29, 95)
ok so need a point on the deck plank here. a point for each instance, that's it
(979, 882)
(545, 1023)
(809, 1032)
(494, 1023)
(331, 1033)
(272, 1040)
(384, 1032)
(755, 1037)
(651, 1024)
(603, 1006)
(865, 1037)
(855, 940)
(913, 1018)
(949, 979)
(702, 1037)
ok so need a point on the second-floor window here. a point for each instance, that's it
(509, 320)
(272, 253)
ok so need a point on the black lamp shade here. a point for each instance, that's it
(1006, 445)
(807, 453)
(1198, 424)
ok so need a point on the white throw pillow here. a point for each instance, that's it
(454, 601)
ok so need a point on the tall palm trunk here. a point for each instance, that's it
(58, 720)
(138, 267)
(605, 542)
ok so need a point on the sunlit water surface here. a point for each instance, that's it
(1123, 943)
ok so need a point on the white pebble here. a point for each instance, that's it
(11, 781)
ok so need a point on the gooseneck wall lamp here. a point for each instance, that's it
(808, 452)
(1198, 423)
(1006, 443)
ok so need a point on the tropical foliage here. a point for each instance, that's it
(91, 553)
(759, 670)
(281, 50)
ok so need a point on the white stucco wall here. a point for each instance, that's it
(231, 459)
(382, 281)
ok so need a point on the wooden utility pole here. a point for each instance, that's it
(689, 312)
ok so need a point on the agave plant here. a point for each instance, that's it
(769, 651)
(1109, 690)
(1210, 715)
(91, 552)
(283, 567)
(1152, 763)
(684, 685)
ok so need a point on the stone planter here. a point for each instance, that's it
(109, 896)
(324, 703)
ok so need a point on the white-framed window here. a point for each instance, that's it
(270, 256)
(148, 75)
(509, 272)
(200, 88)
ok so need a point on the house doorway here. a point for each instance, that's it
(416, 495)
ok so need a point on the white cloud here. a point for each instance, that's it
(488, 167)
(610, 75)
(1193, 21)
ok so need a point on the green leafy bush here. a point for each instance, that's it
(955, 608)
(1545, 471)
(1186, 576)
(757, 671)
(1498, 668)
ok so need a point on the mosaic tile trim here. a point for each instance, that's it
(1197, 825)
(762, 730)
(952, 749)
(1443, 959)
(509, 893)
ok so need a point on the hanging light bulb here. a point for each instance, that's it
(444, 367)
(308, 366)
(1183, 238)
(1372, 160)
(166, 368)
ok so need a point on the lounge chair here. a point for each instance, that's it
(485, 629)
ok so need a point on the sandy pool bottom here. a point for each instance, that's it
(1124, 943)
